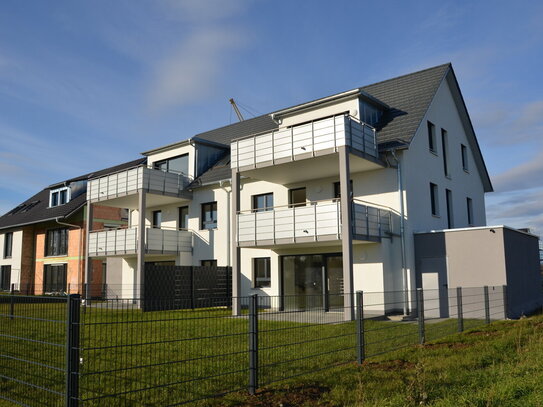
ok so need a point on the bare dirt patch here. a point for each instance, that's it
(309, 395)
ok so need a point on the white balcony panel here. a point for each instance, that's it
(304, 141)
(168, 240)
(112, 242)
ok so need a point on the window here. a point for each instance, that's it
(337, 190)
(8, 245)
(469, 204)
(56, 242)
(179, 164)
(157, 219)
(54, 278)
(296, 197)
(448, 196)
(209, 215)
(434, 199)
(464, 151)
(59, 196)
(208, 263)
(263, 202)
(444, 147)
(5, 278)
(184, 217)
(261, 272)
(432, 137)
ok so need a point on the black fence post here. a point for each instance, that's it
(12, 301)
(72, 350)
(505, 304)
(253, 343)
(487, 305)
(360, 326)
(460, 311)
(192, 301)
(420, 307)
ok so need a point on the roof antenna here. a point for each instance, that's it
(238, 113)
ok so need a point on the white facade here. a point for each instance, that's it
(15, 260)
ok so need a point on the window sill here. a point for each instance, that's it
(466, 171)
(436, 216)
(52, 256)
(433, 152)
(448, 177)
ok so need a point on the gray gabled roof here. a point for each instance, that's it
(408, 98)
(36, 209)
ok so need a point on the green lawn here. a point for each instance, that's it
(162, 358)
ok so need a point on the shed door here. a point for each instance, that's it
(433, 272)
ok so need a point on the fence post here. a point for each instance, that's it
(253, 344)
(192, 302)
(12, 301)
(460, 311)
(505, 305)
(72, 350)
(487, 305)
(420, 307)
(360, 326)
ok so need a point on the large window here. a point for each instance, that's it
(297, 197)
(209, 216)
(444, 147)
(5, 278)
(8, 245)
(56, 242)
(179, 164)
(184, 217)
(263, 202)
(261, 272)
(54, 278)
(464, 152)
(469, 207)
(59, 196)
(434, 199)
(432, 137)
(208, 263)
(157, 219)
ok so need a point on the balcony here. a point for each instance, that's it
(309, 140)
(130, 181)
(316, 222)
(123, 241)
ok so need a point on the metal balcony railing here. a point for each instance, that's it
(110, 242)
(131, 180)
(315, 221)
(318, 137)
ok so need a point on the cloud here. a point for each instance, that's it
(524, 176)
(191, 72)
(204, 11)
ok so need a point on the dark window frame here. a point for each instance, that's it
(157, 164)
(290, 200)
(464, 155)
(182, 224)
(5, 278)
(444, 149)
(58, 246)
(266, 208)
(8, 245)
(56, 286)
(469, 208)
(432, 137)
(212, 222)
(434, 199)
(267, 269)
(155, 222)
(337, 189)
(449, 202)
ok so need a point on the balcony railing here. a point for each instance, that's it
(122, 241)
(318, 137)
(316, 221)
(132, 180)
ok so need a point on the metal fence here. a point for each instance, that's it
(65, 351)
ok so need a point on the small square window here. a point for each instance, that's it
(261, 272)
(263, 202)
(157, 219)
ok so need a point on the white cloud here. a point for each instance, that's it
(524, 176)
(191, 72)
(204, 10)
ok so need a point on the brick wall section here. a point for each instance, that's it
(27, 260)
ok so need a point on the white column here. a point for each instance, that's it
(140, 268)
(236, 251)
(88, 264)
(346, 231)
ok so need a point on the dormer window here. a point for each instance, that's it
(177, 165)
(59, 197)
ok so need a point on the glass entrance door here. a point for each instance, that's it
(312, 281)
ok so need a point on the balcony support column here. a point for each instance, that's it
(236, 251)
(140, 249)
(88, 265)
(346, 231)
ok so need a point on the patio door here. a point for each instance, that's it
(312, 281)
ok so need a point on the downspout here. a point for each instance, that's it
(402, 234)
(228, 224)
(79, 271)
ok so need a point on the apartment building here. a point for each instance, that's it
(319, 199)
(43, 239)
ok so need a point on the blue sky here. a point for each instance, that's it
(88, 84)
